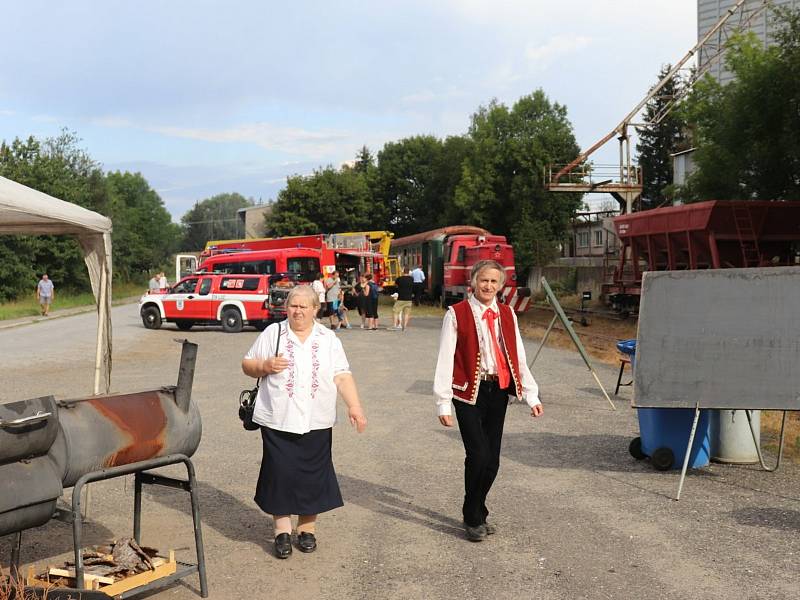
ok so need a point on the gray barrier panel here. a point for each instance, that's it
(729, 338)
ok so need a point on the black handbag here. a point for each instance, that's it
(247, 399)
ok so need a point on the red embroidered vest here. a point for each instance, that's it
(467, 359)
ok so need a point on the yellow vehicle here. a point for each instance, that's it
(380, 241)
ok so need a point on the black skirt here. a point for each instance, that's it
(297, 476)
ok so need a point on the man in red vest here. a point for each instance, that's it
(481, 362)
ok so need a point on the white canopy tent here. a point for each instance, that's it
(24, 211)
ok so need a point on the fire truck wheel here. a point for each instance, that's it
(151, 318)
(260, 325)
(184, 325)
(231, 320)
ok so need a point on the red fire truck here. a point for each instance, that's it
(349, 254)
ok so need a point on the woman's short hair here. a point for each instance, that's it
(482, 265)
(303, 290)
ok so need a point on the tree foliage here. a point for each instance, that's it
(59, 168)
(329, 200)
(502, 187)
(658, 142)
(214, 218)
(415, 182)
(747, 133)
(143, 235)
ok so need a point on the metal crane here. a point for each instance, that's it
(625, 182)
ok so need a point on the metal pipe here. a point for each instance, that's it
(758, 446)
(183, 392)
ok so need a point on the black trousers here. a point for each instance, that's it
(481, 427)
(416, 292)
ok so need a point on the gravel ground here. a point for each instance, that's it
(577, 516)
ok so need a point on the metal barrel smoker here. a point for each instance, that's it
(47, 445)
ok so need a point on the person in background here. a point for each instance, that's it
(332, 288)
(45, 293)
(418, 278)
(162, 281)
(402, 304)
(481, 362)
(319, 287)
(153, 285)
(303, 368)
(371, 292)
(341, 313)
(361, 299)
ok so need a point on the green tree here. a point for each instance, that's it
(747, 132)
(58, 167)
(144, 235)
(214, 218)
(405, 184)
(415, 182)
(502, 185)
(658, 141)
(327, 201)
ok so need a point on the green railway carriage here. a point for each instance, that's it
(427, 250)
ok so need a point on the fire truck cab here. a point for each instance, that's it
(232, 301)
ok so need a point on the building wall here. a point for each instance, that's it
(682, 167)
(251, 221)
(596, 238)
(710, 11)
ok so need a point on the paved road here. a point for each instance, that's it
(577, 516)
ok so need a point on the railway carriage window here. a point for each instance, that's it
(205, 286)
(185, 287)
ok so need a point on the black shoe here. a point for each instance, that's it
(475, 534)
(283, 545)
(306, 541)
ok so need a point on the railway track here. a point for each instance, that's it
(599, 336)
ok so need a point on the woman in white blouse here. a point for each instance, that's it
(303, 367)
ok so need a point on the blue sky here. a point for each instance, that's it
(208, 97)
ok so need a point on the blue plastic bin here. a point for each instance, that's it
(665, 431)
(669, 428)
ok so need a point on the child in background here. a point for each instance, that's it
(341, 312)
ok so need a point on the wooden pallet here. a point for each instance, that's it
(111, 586)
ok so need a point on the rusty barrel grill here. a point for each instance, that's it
(47, 445)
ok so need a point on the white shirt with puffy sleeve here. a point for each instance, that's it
(443, 378)
(302, 397)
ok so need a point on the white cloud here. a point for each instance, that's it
(7, 113)
(45, 119)
(292, 140)
(544, 54)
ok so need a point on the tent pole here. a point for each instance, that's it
(101, 318)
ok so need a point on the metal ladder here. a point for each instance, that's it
(743, 219)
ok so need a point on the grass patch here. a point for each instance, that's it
(770, 433)
(28, 307)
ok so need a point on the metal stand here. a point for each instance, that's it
(574, 336)
(689, 449)
(141, 477)
(15, 551)
(758, 447)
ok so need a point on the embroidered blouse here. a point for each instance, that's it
(302, 397)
